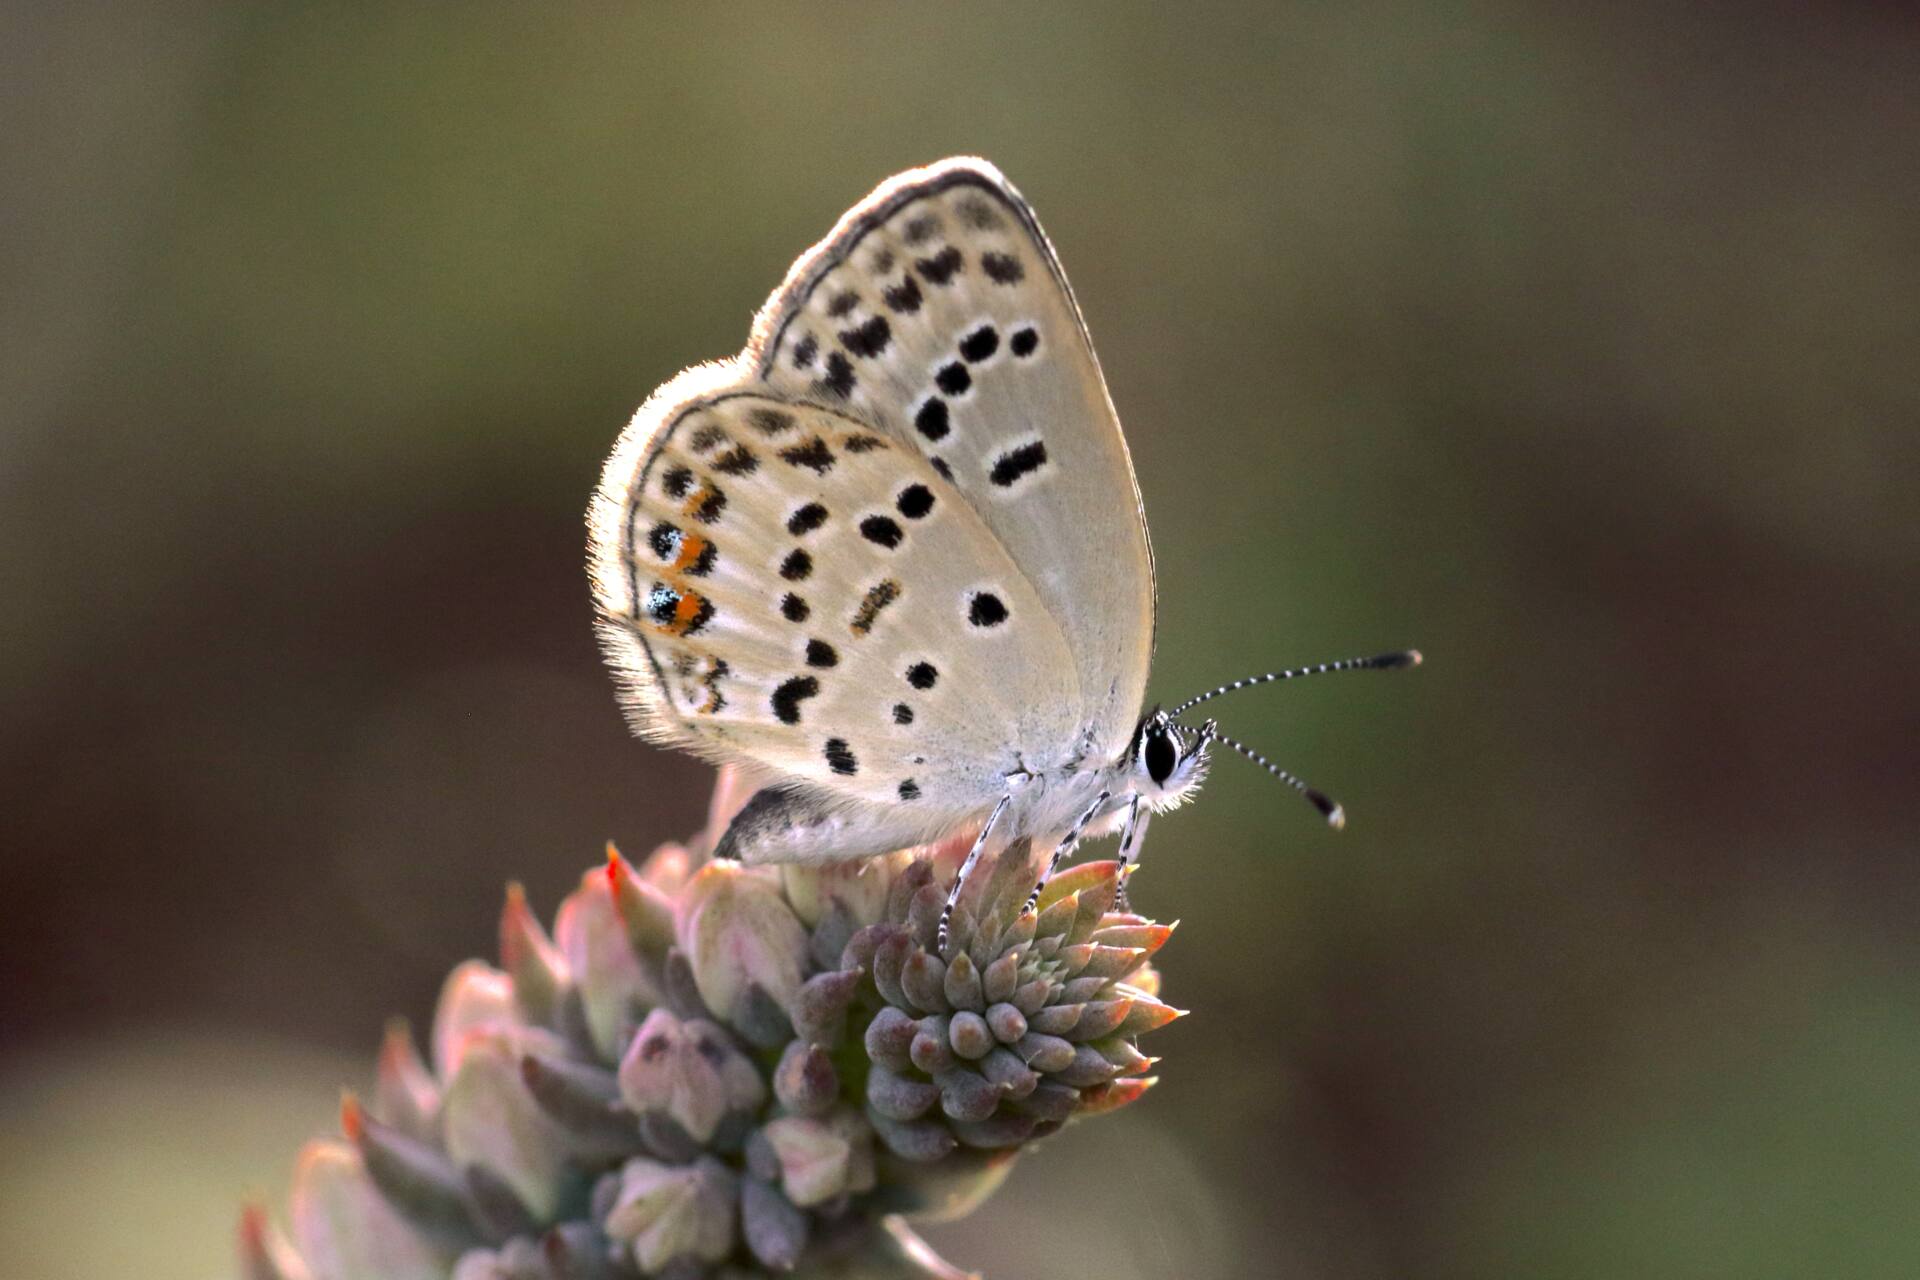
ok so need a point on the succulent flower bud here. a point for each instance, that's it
(689, 1071)
(821, 1157)
(665, 1213)
(695, 1076)
(530, 959)
(607, 970)
(406, 1094)
(859, 886)
(737, 930)
(344, 1227)
(475, 995)
(492, 1121)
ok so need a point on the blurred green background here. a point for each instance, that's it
(1578, 348)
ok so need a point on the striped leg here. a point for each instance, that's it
(966, 868)
(1132, 835)
(1065, 847)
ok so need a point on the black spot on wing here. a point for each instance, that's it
(1017, 462)
(980, 344)
(804, 351)
(922, 675)
(942, 267)
(812, 454)
(796, 566)
(920, 229)
(1024, 342)
(869, 338)
(706, 438)
(985, 609)
(903, 298)
(806, 519)
(909, 790)
(914, 501)
(702, 616)
(839, 379)
(787, 698)
(662, 601)
(976, 212)
(794, 608)
(902, 713)
(716, 700)
(840, 757)
(862, 444)
(712, 503)
(677, 482)
(882, 531)
(953, 378)
(737, 461)
(664, 541)
(821, 654)
(932, 419)
(1002, 268)
(842, 304)
(940, 465)
(878, 597)
(771, 422)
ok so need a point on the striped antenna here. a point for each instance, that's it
(1379, 662)
(1336, 816)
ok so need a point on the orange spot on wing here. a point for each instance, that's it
(692, 547)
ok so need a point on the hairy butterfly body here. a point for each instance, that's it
(891, 558)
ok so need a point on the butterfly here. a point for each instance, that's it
(892, 558)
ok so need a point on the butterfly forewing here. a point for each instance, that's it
(937, 312)
(894, 550)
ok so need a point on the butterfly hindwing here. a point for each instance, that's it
(783, 585)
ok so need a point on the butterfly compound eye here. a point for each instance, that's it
(1159, 755)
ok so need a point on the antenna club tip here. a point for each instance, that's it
(1414, 658)
(1329, 807)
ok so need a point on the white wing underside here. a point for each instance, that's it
(894, 549)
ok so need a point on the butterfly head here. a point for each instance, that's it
(1167, 761)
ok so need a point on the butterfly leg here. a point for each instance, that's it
(1065, 848)
(1131, 837)
(973, 856)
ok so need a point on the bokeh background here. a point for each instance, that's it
(1577, 347)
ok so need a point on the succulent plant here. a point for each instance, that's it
(715, 1070)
